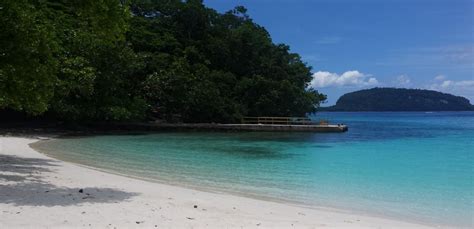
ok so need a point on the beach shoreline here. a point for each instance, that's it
(215, 190)
(54, 193)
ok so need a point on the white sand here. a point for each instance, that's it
(40, 192)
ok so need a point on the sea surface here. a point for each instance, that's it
(414, 166)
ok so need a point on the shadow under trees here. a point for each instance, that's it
(23, 183)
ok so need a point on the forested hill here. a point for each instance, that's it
(144, 59)
(398, 99)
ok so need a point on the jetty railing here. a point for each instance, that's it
(282, 121)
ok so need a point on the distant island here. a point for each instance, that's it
(399, 99)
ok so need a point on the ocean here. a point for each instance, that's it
(413, 166)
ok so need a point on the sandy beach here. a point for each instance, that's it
(37, 191)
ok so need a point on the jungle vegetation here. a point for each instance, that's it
(118, 60)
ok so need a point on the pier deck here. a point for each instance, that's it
(239, 127)
(280, 127)
(282, 124)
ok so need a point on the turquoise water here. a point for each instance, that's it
(411, 166)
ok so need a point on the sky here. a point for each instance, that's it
(357, 44)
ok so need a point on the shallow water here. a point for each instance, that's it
(411, 166)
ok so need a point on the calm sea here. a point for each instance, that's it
(414, 166)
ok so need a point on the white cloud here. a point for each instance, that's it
(403, 80)
(460, 87)
(440, 78)
(449, 84)
(349, 78)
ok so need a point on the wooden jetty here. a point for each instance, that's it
(283, 124)
(286, 124)
(287, 128)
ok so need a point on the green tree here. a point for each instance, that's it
(96, 75)
(205, 66)
(119, 60)
(27, 65)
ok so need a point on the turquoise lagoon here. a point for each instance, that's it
(413, 166)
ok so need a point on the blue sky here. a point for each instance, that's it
(362, 44)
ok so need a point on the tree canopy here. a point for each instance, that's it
(131, 60)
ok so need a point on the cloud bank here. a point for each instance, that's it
(457, 87)
(439, 78)
(403, 81)
(453, 85)
(347, 79)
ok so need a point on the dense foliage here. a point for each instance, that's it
(399, 99)
(119, 60)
